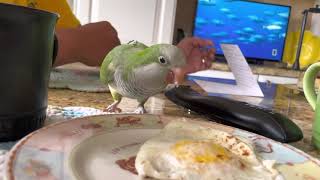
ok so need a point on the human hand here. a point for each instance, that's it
(88, 44)
(197, 55)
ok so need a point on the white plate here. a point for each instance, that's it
(92, 147)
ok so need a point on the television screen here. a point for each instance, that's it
(259, 29)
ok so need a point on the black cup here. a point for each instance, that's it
(27, 49)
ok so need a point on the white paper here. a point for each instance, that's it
(246, 82)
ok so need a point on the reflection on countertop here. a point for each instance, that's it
(269, 68)
(288, 100)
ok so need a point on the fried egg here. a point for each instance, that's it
(190, 151)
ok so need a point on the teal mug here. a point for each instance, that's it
(313, 99)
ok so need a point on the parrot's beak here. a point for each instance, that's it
(175, 75)
(177, 71)
(170, 77)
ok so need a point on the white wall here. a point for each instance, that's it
(148, 21)
(82, 9)
(134, 20)
(165, 28)
(70, 2)
(315, 27)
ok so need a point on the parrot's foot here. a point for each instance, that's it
(140, 110)
(112, 109)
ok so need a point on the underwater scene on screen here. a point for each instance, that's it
(259, 29)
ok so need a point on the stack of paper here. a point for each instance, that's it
(242, 82)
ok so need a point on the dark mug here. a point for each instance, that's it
(27, 50)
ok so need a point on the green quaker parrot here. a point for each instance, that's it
(137, 71)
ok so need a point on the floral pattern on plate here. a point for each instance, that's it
(49, 152)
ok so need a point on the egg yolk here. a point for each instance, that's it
(200, 151)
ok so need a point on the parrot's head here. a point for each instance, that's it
(155, 64)
(169, 57)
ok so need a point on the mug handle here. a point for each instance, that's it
(308, 84)
(55, 49)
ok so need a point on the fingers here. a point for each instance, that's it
(205, 64)
(208, 57)
(198, 43)
(208, 63)
(212, 53)
(200, 53)
(209, 51)
(208, 43)
(179, 75)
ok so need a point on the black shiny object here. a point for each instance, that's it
(237, 114)
(27, 50)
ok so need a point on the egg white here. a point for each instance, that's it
(189, 151)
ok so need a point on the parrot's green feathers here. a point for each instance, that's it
(137, 71)
(141, 58)
(105, 71)
(126, 58)
(115, 95)
(118, 57)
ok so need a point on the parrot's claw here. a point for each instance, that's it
(140, 110)
(112, 109)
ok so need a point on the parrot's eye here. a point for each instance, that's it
(162, 60)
